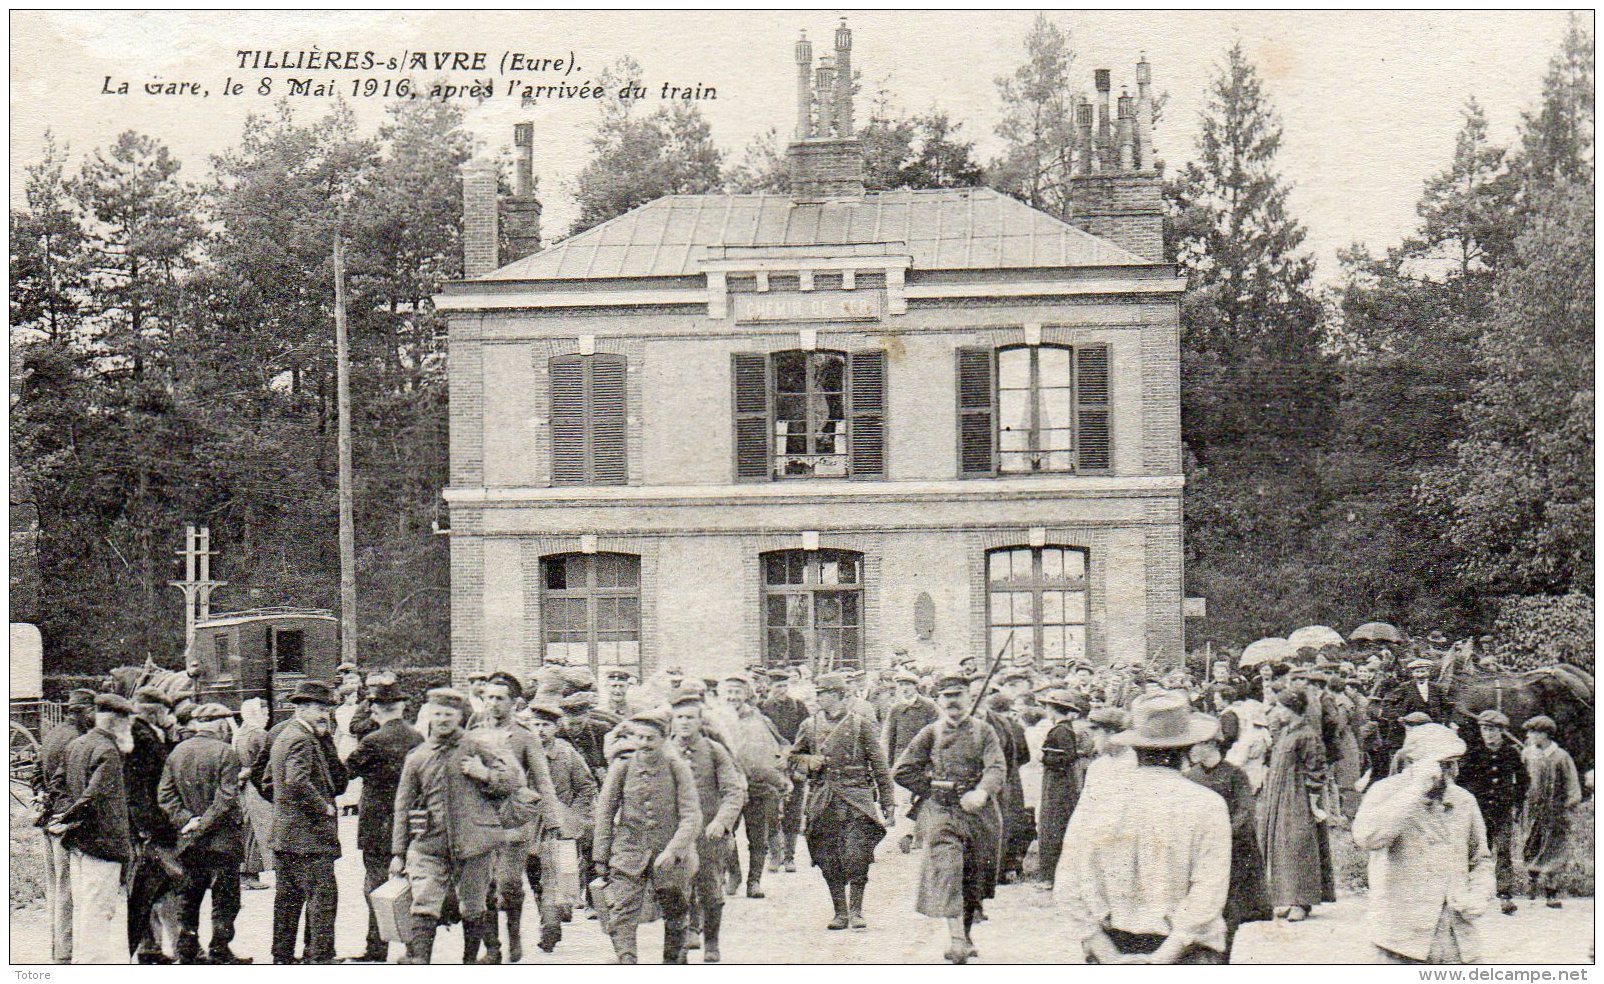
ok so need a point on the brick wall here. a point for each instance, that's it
(480, 225)
(1125, 207)
(465, 353)
(826, 169)
(1161, 388)
(1165, 559)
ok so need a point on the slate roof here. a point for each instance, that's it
(958, 229)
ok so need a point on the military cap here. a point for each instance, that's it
(619, 673)
(692, 686)
(950, 682)
(505, 679)
(743, 679)
(113, 704)
(654, 718)
(1414, 718)
(152, 695)
(545, 711)
(386, 692)
(1541, 722)
(1492, 718)
(453, 699)
(831, 682)
(686, 696)
(1421, 663)
(583, 700)
(211, 712)
(80, 697)
(313, 692)
(1109, 718)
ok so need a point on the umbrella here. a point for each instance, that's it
(1315, 637)
(1273, 649)
(1377, 632)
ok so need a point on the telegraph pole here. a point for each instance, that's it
(342, 387)
(197, 584)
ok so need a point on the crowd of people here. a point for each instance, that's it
(1171, 810)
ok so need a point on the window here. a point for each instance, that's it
(289, 651)
(1038, 596)
(1037, 409)
(809, 415)
(588, 420)
(224, 661)
(813, 609)
(590, 609)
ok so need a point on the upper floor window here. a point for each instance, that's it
(1025, 410)
(809, 415)
(588, 420)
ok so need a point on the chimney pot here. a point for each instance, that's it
(480, 222)
(1103, 79)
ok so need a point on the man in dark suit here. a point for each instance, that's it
(305, 839)
(377, 761)
(1494, 772)
(93, 826)
(153, 881)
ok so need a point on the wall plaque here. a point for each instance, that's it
(838, 305)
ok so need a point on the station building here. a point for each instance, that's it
(821, 427)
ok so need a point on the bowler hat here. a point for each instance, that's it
(1541, 722)
(313, 692)
(386, 692)
(1165, 720)
(114, 704)
(446, 697)
(80, 697)
(1492, 718)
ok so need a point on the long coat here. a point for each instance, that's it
(1247, 900)
(1287, 830)
(971, 756)
(854, 771)
(463, 815)
(377, 761)
(1497, 778)
(95, 799)
(903, 721)
(50, 780)
(307, 776)
(1553, 793)
(1062, 769)
(142, 771)
(201, 782)
(649, 804)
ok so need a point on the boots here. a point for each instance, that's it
(490, 933)
(754, 875)
(473, 933)
(420, 949)
(789, 863)
(855, 905)
(515, 929)
(624, 939)
(838, 897)
(711, 921)
(732, 876)
(674, 941)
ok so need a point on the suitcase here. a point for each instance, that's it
(392, 910)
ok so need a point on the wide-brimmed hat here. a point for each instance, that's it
(314, 692)
(1165, 720)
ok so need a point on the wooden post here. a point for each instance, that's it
(342, 382)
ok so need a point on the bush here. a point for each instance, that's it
(1541, 630)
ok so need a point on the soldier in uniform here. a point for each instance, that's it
(199, 792)
(721, 792)
(618, 702)
(377, 761)
(760, 751)
(448, 822)
(584, 731)
(647, 821)
(850, 800)
(956, 770)
(787, 713)
(903, 720)
(571, 813)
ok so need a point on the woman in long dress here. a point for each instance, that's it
(1246, 900)
(1289, 817)
(1553, 793)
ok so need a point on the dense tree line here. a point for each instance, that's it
(1413, 444)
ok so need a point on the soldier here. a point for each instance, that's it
(572, 812)
(760, 751)
(50, 787)
(448, 822)
(377, 762)
(850, 801)
(903, 720)
(586, 733)
(955, 769)
(618, 701)
(155, 872)
(306, 777)
(93, 826)
(647, 822)
(1494, 773)
(199, 792)
(721, 792)
(787, 714)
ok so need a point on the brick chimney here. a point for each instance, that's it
(521, 211)
(1115, 193)
(480, 228)
(826, 160)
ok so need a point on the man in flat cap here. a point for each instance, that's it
(448, 823)
(1554, 791)
(50, 786)
(787, 714)
(906, 717)
(307, 777)
(150, 891)
(582, 729)
(760, 751)
(571, 813)
(377, 761)
(1431, 875)
(93, 826)
(199, 792)
(1420, 692)
(648, 819)
(851, 800)
(1064, 756)
(721, 792)
(956, 770)
(1493, 772)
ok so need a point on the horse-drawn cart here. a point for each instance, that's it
(31, 714)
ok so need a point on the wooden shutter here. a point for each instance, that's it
(607, 411)
(750, 372)
(976, 399)
(867, 399)
(567, 420)
(1093, 423)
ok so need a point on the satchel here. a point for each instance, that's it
(392, 910)
(521, 808)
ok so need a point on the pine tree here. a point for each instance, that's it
(49, 252)
(1037, 125)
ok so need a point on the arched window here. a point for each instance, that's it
(1038, 596)
(590, 609)
(813, 609)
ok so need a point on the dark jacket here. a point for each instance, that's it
(787, 713)
(574, 787)
(1498, 779)
(903, 721)
(854, 767)
(649, 804)
(377, 761)
(96, 798)
(50, 781)
(307, 776)
(142, 773)
(1405, 699)
(201, 780)
(589, 739)
(463, 814)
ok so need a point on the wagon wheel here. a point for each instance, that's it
(24, 763)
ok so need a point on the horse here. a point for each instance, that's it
(125, 681)
(1562, 692)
